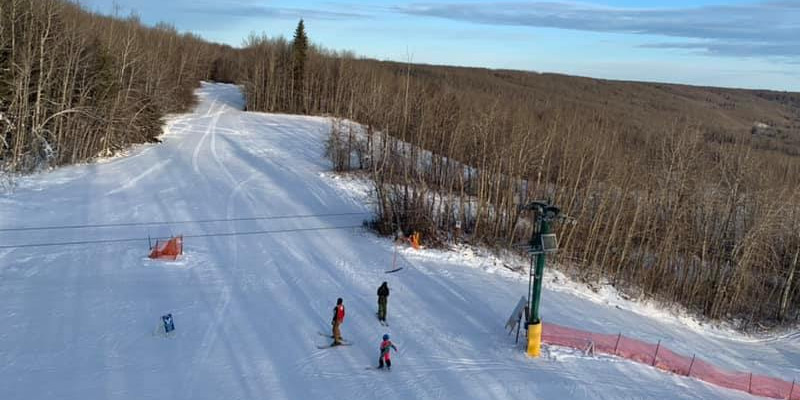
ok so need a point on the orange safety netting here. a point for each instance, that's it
(660, 357)
(169, 250)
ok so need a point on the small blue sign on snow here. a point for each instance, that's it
(169, 324)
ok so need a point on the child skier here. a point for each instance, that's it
(386, 347)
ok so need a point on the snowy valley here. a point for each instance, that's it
(273, 238)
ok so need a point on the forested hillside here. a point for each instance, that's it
(74, 85)
(684, 194)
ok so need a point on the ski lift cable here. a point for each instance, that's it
(201, 221)
(202, 235)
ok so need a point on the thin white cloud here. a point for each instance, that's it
(737, 49)
(763, 29)
(252, 10)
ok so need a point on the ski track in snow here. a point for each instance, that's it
(76, 322)
(132, 182)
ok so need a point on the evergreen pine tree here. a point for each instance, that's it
(299, 56)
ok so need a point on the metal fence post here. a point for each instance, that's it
(656, 355)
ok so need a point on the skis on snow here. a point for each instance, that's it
(328, 346)
(384, 323)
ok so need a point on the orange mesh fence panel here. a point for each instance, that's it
(605, 343)
(709, 373)
(577, 339)
(169, 250)
(772, 387)
(562, 336)
(636, 350)
(663, 358)
(673, 362)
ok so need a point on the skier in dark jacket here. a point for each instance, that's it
(338, 318)
(383, 298)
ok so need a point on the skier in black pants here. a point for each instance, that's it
(383, 298)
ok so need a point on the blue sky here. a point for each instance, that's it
(749, 44)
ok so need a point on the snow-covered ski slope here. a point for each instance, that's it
(77, 322)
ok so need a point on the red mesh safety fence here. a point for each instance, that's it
(663, 358)
(169, 250)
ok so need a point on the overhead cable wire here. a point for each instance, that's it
(156, 223)
(203, 235)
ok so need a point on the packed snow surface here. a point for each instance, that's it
(77, 321)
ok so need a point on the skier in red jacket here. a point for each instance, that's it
(338, 318)
(386, 347)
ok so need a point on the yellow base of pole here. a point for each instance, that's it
(535, 339)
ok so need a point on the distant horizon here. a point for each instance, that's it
(621, 80)
(698, 43)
